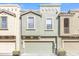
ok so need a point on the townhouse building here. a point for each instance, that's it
(40, 29)
(9, 28)
(38, 32)
(69, 31)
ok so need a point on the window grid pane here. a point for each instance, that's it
(4, 22)
(30, 22)
(49, 23)
(66, 25)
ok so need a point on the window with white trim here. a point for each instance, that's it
(49, 23)
(3, 22)
(30, 22)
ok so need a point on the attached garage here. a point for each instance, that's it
(71, 46)
(7, 47)
(45, 48)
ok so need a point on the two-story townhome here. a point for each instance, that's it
(9, 28)
(39, 30)
(69, 31)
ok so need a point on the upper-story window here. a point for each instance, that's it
(66, 25)
(49, 23)
(3, 22)
(30, 23)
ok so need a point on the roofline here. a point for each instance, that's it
(66, 14)
(50, 5)
(7, 13)
(31, 12)
(9, 5)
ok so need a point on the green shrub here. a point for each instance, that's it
(16, 53)
(61, 52)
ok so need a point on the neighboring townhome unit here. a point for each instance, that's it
(40, 30)
(9, 28)
(69, 31)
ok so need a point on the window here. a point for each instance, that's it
(30, 22)
(3, 22)
(49, 23)
(66, 25)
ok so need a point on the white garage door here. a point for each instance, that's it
(7, 47)
(39, 47)
(72, 48)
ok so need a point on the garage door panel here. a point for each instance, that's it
(7, 47)
(72, 47)
(39, 47)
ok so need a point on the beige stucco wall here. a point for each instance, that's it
(11, 24)
(73, 25)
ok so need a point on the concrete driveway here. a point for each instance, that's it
(5, 54)
(25, 54)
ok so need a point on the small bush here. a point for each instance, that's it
(61, 52)
(16, 53)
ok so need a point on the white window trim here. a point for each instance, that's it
(52, 25)
(7, 22)
(34, 22)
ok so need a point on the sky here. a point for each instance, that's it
(68, 6)
(64, 6)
